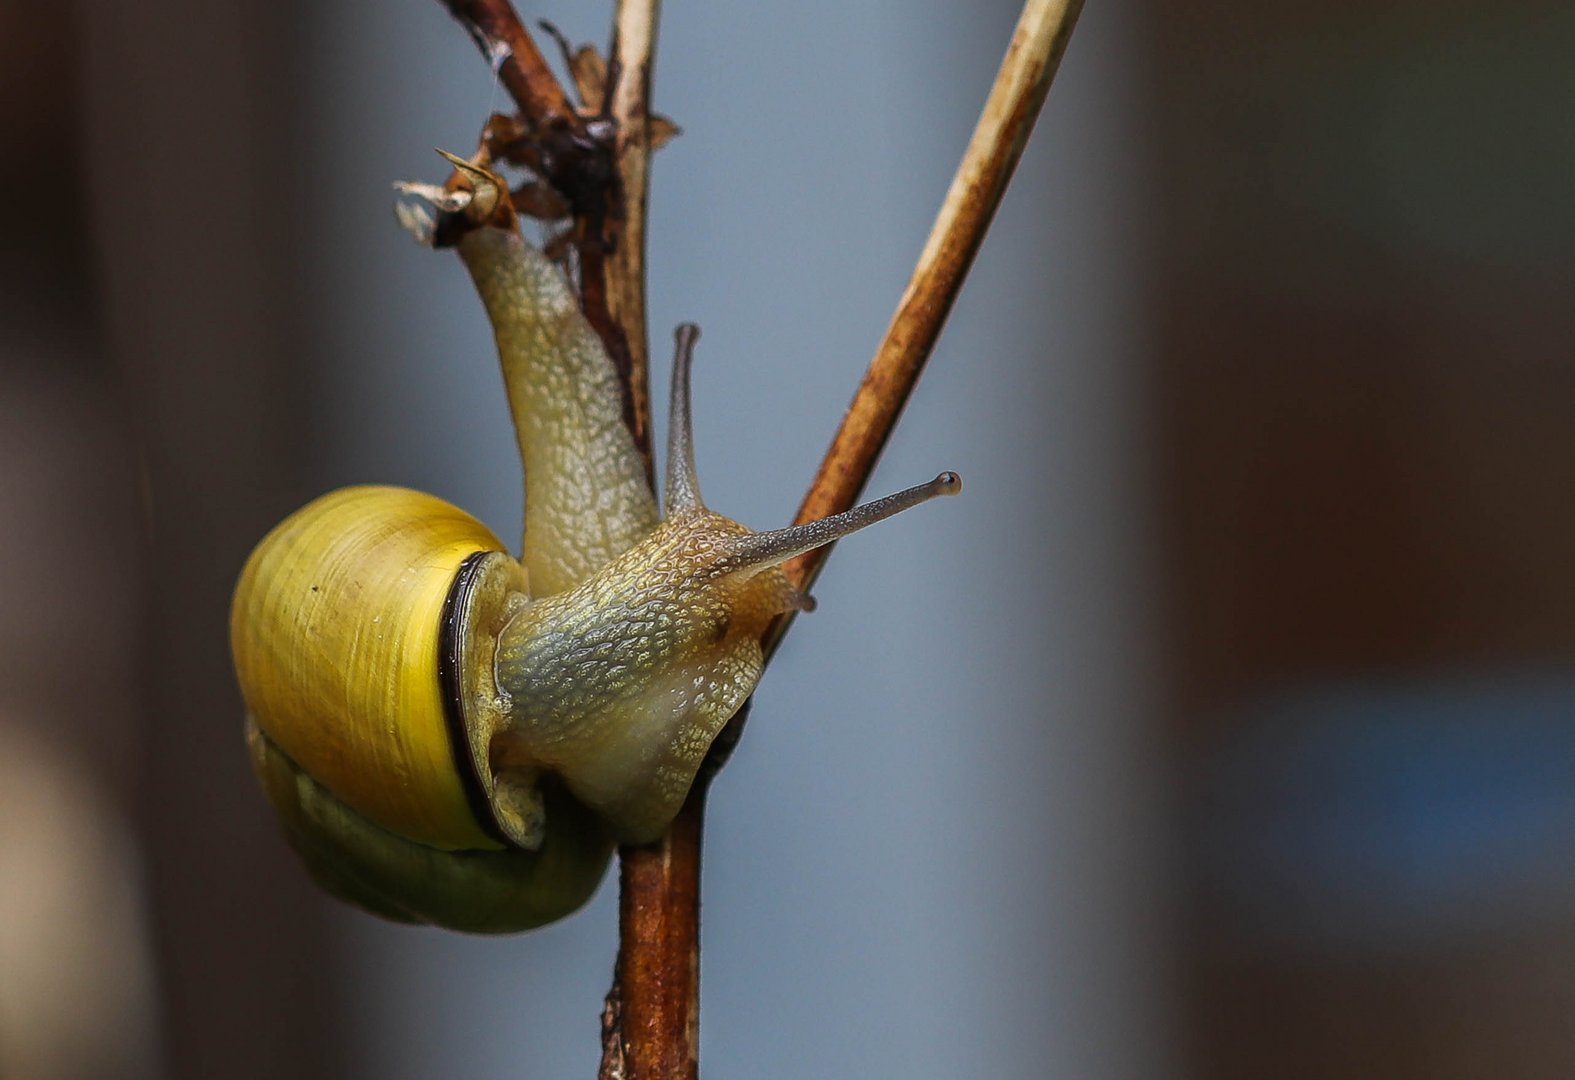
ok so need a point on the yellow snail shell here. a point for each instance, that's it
(348, 667)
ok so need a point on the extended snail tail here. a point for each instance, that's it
(428, 211)
(488, 188)
(683, 485)
(757, 550)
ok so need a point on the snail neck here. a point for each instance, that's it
(587, 499)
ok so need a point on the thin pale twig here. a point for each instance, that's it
(634, 45)
(658, 960)
(574, 154)
(1009, 113)
(653, 1007)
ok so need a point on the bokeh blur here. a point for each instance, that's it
(1224, 728)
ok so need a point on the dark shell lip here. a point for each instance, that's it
(450, 642)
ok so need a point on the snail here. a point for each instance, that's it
(454, 736)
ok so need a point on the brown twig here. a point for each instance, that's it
(653, 1007)
(497, 31)
(582, 159)
(655, 996)
(1009, 113)
(656, 992)
(651, 1019)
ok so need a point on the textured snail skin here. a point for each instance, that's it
(454, 736)
(587, 500)
(621, 684)
(638, 647)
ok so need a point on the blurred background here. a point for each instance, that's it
(1225, 728)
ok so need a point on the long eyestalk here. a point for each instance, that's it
(779, 545)
(683, 485)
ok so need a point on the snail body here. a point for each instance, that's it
(455, 736)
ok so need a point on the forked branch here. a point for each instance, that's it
(651, 1021)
